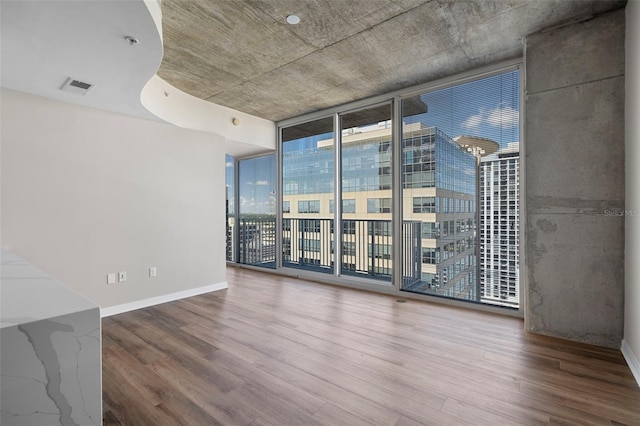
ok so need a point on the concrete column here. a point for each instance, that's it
(631, 343)
(575, 181)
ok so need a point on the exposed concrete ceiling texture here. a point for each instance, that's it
(243, 55)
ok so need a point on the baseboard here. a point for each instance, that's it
(139, 304)
(632, 361)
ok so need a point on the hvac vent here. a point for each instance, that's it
(76, 86)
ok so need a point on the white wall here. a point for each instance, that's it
(631, 342)
(87, 192)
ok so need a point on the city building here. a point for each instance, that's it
(439, 209)
(500, 227)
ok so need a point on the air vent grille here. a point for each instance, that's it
(76, 86)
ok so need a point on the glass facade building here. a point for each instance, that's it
(439, 193)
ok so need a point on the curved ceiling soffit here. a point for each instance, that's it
(43, 44)
(244, 134)
(46, 43)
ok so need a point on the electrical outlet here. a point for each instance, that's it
(122, 276)
(153, 271)
(111, 278)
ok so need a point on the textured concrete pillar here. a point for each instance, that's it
(574, 174)
(631, 344)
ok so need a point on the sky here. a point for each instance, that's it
(257, 185)
(487, 107)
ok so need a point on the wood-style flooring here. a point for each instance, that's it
(278, 351)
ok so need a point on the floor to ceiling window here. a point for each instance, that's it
(308, 183)
(441, 181)
(256, 227)
(230, 186)
(366, 158)
(461, 181)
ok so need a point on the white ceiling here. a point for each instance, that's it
(45, 42)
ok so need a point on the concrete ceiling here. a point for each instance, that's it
(243, 55)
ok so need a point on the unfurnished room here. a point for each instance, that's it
(319, 212)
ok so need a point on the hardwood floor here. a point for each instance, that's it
(277, 351)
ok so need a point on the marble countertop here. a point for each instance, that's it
(27, 294)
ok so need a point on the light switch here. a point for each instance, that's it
(122, 276)
(152, 271)
(111, 278)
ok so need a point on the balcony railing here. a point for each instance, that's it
(256, 244)
(367, 251)
(367, 246)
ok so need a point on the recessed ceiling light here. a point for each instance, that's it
(293, 19)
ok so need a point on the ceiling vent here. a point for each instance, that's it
(76, 86)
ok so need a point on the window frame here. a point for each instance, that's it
(398, 96)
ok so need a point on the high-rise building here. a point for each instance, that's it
(499, 227)
(439, 209)
(439, 190)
